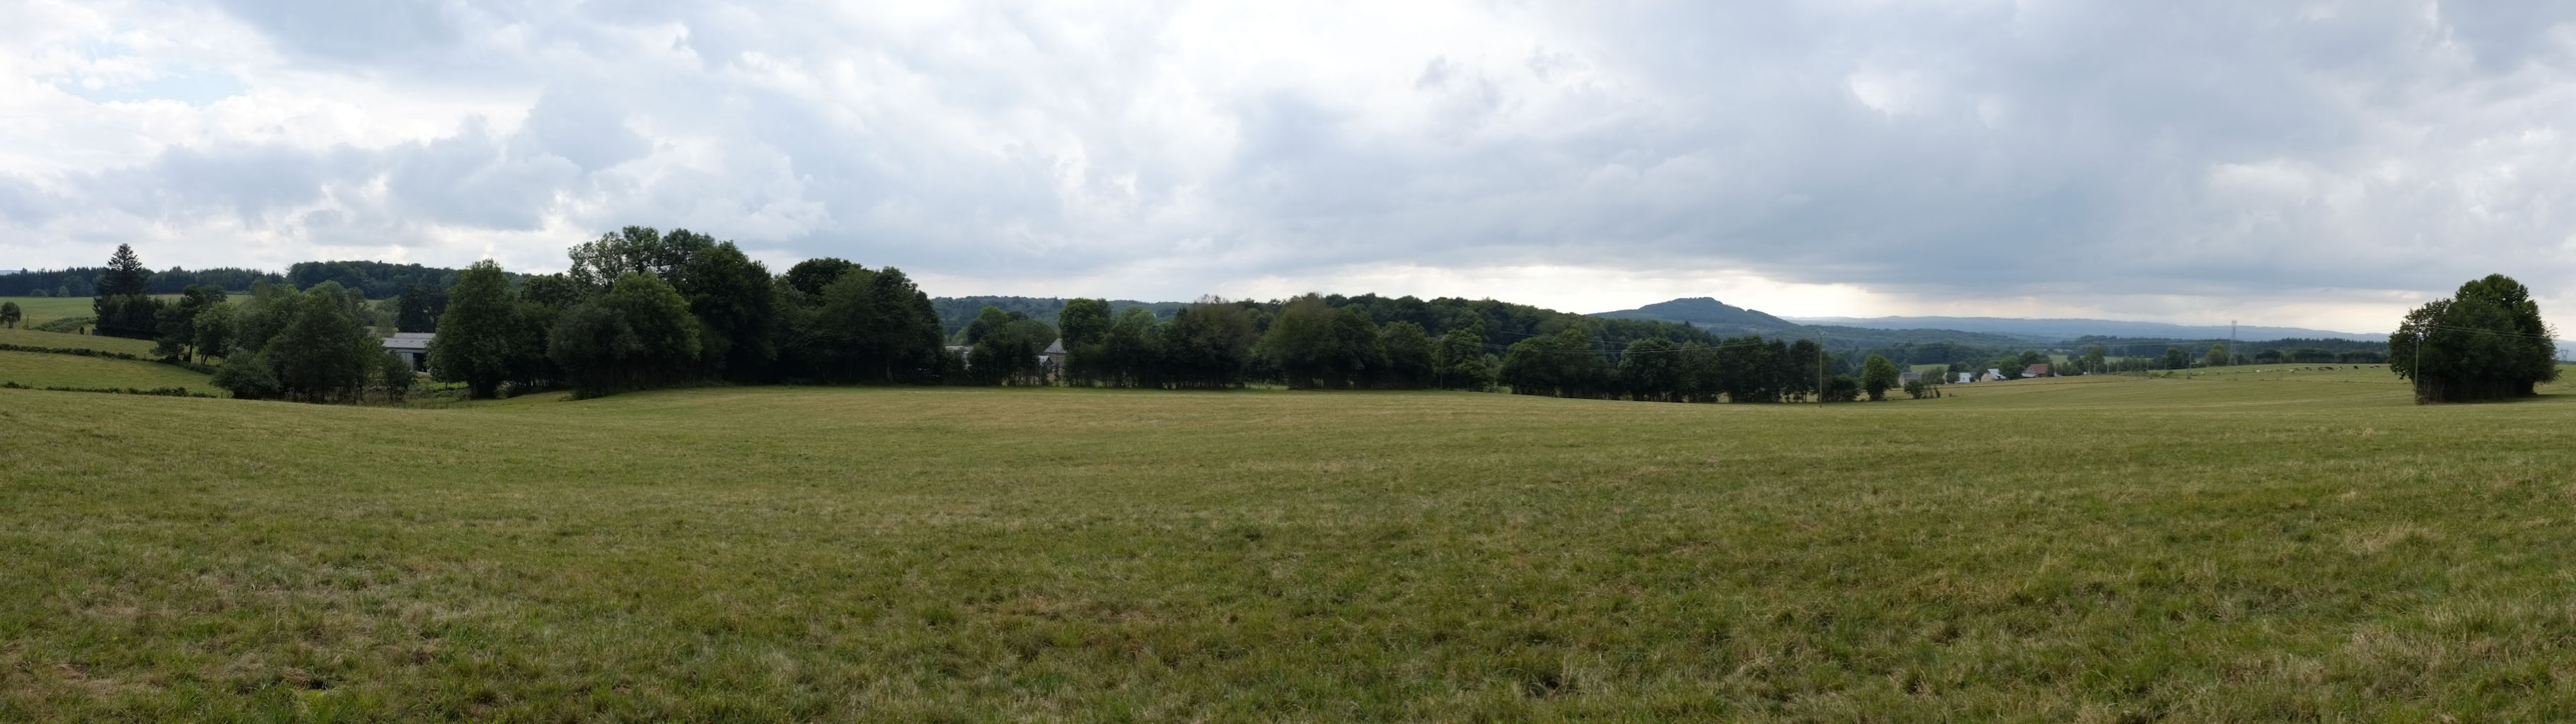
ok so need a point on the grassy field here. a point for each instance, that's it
(39, 310)
(35, 369)
(2232, 547)
(67, 340)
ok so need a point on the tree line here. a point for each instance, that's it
(639, 308)
(92, 281)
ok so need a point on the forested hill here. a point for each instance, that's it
(1729, 320)
(1709, 314)
(1503, 323)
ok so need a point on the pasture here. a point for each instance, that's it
(68, 340)
(34, 369)
(2232, 547)
(39, 310)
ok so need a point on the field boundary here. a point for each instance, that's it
(85, 352)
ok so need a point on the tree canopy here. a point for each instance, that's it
(2487, 342)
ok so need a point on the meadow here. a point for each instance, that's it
(68, 340)
(2283, 546)
(34, 369)
(39, 310)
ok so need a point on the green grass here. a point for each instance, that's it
(2233, 547)
(36, 369)
(67, 340)
(39, 310)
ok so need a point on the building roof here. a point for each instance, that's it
(1055, 347)
(409, 340)
(2035, 370)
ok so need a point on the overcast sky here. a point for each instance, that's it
(2324, 165)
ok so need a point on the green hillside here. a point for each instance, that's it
(34, 369)
(2236, 547)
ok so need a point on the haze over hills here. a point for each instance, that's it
(1711, 314)
(2050, 330)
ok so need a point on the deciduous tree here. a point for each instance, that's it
(2486, 342)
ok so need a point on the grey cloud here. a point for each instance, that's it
(1948, 149)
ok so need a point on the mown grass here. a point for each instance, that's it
(66, 340)
(39, 310)
(35, 369)
(2220, 548)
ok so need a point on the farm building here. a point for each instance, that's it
(1992, 375)
(413, 346)
(2035, 370)
(1965, 378)
(1908, 376)
(1052, 360)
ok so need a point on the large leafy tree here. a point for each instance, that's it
(730, 295)
(1131, 349)
(10, 314)
(322, 353)
(1207, 344)
(480, 333)
(1650, 370)
(812, 275)
(1408, 355)
(1877, 374)
(1300, 342)
(2486, 342)
(1085, 326)
(1459, 361)
(638, 334)
(419, 307)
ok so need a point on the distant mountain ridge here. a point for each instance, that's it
(2053, 330)
(1707, 313)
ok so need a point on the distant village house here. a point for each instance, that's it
(413, 346)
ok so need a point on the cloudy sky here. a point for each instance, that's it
(2325, 165)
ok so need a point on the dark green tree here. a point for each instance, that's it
(1085, 325)
(1650, 370)
(10, 315)
(730, 296)
(323, 353)
(1300, 343)
(482, 333)
(1356, 357)
(1408, 355)
(125, 275)
(2487, 342)
(638, 335)
(1877, 374)
(1459, 362)
(1841, 388)
(214, 330)
(178, 322)
(2174, 359)
(1206, 345)
(419, 308)
(1131, 349)
(394, 375)
(124, 306)
(812, 275)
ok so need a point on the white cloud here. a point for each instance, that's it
(2330, 163)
